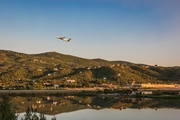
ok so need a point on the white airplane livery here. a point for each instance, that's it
(63, 38)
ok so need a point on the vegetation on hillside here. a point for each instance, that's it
(57, 68)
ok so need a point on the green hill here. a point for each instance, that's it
(51, 66)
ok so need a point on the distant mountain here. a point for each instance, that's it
(55, 66)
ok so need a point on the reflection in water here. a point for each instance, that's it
(109, 114)
(97, 107)
(128, 114)
(125, 114)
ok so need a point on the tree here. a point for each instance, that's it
(6, 113)
(28, 114)
(31, 115)
(42, 117)
(86, 83)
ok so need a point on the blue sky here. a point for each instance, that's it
(138, 31)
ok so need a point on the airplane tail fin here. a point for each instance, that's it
(57, 37)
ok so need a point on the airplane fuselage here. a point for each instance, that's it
(63, 38)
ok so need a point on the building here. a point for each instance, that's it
(71, 81)
(149, 85)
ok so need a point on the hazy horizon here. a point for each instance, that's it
(141, 31)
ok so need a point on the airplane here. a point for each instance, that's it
(63, 38)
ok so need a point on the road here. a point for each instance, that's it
(72, 90)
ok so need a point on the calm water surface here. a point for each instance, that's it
(125, 114)
(97, 107)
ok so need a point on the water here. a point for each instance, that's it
(125, 114)
(98, 107)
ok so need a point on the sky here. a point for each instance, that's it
(138, 31)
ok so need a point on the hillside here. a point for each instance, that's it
(49, 66)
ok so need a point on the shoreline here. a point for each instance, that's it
(75, 91)
(72, 90)
(87, 92)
